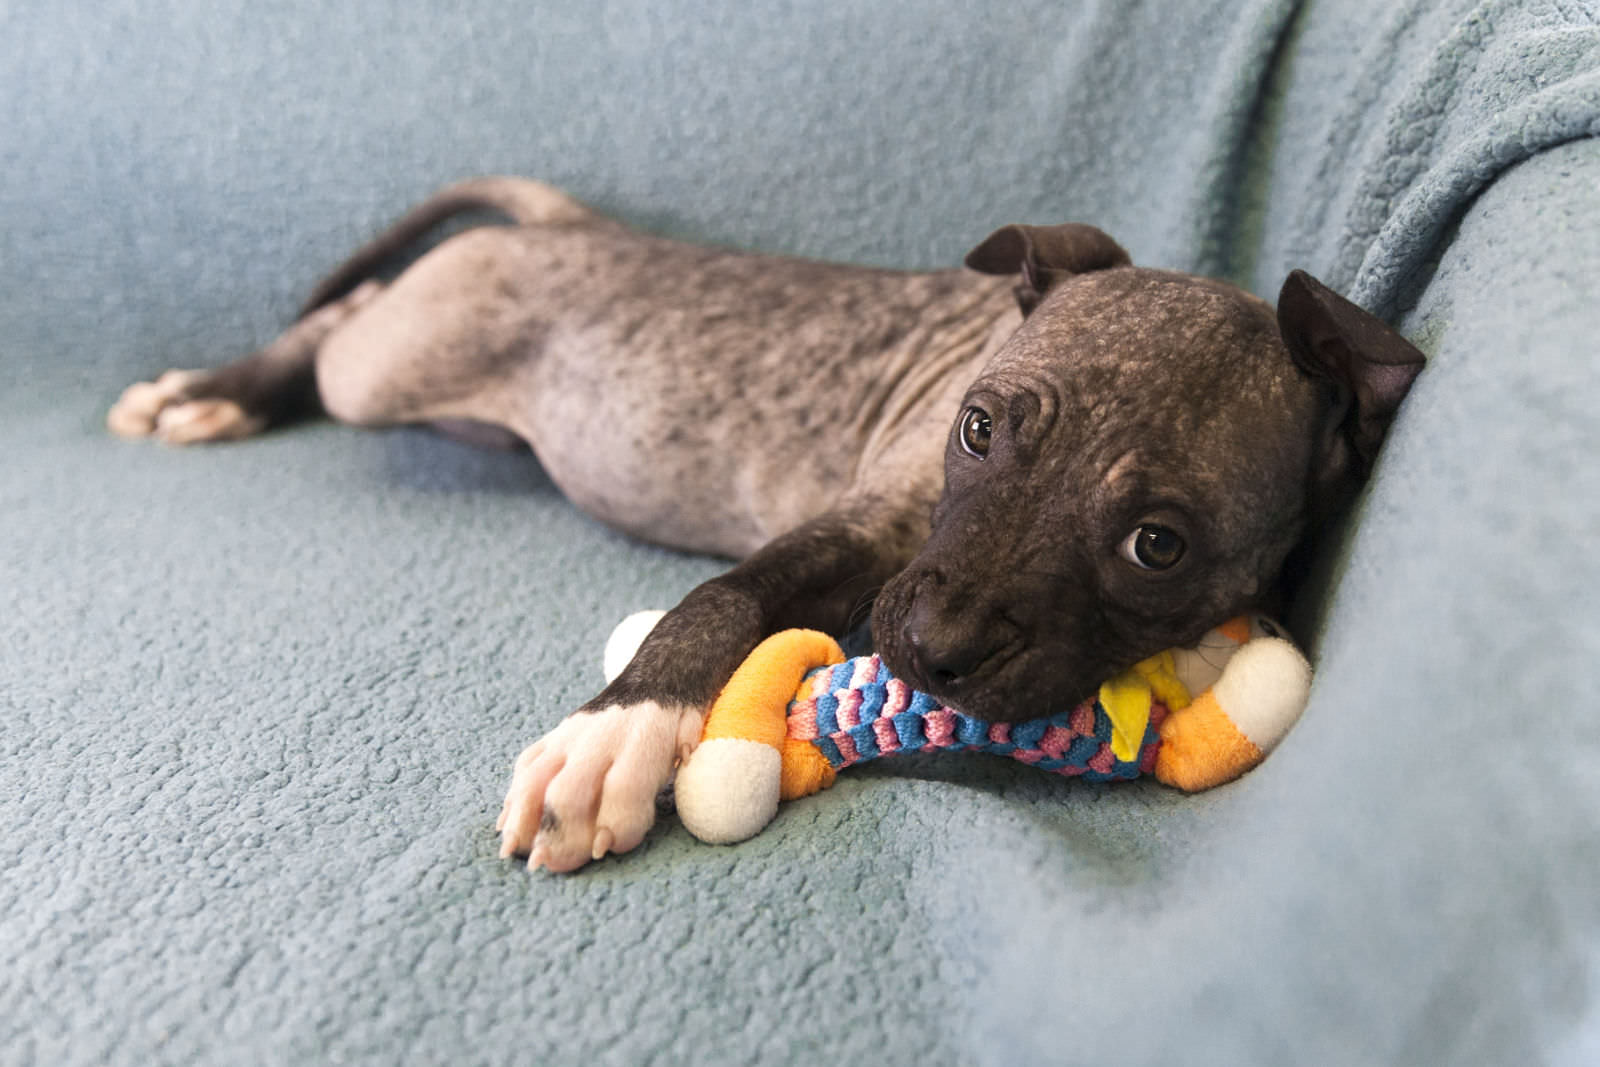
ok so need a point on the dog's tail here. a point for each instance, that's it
(525, 201)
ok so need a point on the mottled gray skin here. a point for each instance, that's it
(798, 416)
(752, 393)
(785, 412)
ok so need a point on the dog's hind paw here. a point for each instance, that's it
(137, 411)
(172, 409)
(589, 786)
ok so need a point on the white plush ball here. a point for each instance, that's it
(1264, 689)
(626, 639)
(727, 789)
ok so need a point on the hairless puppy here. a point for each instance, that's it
(1035, 471)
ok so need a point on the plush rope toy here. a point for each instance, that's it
(797, 712)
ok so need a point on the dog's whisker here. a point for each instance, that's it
(861, 610)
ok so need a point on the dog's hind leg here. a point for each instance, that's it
(272, 385)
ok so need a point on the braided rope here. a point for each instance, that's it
(857, 711)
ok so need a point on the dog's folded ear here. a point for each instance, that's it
(1369, 365)
(1044, 255)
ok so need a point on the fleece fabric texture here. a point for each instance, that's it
(258, 703)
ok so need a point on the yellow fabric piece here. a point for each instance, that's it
(1126, 699)
(754, 703)
(1128, 696)
(1161, 671)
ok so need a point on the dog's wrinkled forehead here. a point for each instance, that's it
(1122, 353)
(1144, 321)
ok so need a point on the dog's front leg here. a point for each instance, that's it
(589, 786)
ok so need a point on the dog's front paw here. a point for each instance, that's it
(589, 786)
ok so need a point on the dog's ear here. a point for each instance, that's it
(1044, 255)
(1369, 365)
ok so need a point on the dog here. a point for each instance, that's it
(1035, 470)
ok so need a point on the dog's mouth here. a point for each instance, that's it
(1005, 678)
(1014, 691)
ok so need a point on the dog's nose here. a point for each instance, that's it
(947, 650)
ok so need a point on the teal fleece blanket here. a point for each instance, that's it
(258, 703)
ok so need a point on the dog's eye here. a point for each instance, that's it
(1155, 548)
(976, 426)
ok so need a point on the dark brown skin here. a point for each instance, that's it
(1186, 415)
(1134, 452)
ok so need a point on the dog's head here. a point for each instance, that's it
(1132, 467)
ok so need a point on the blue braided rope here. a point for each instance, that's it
(850, 700)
